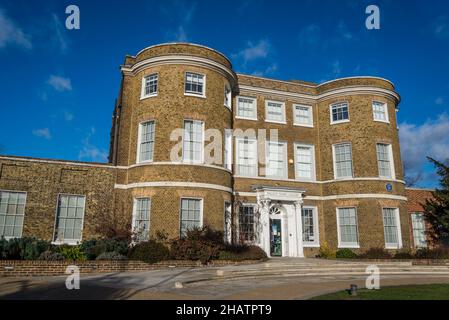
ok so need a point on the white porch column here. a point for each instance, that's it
(298, 224)
(264, 232)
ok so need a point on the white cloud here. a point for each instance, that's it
(59, 39)
(440, 27)
(268, 71)
(309, 35)
(439, 101)
(68, 116)
(60, 83)
(11, 34)
(181, 35)
(91, 152)
(254, 51)
(419, 141)
(343, 31)
(42, 133)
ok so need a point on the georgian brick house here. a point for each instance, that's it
(334, 174)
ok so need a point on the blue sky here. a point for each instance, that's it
(58, 86)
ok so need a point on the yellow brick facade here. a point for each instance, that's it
(111, 188)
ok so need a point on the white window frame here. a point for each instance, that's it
(255, 222)
(308, 125)
(284, 121)
(142, 94)
(201, 161)
(69, 241)
(285, 147)
(350, 245)
(180, 211)
(330, 112)
(191, 93)
(228, 149)
(23, 216)
(135, 215)
(238, 107)
(335, 161)
(385, 105)
(419, 245)
(139, 141)
(390, 159)
(313, 173)
(227, 96)
(316, 230)
(227, 224)
(237, 156)
(398, 229)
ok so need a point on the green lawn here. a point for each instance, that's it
(421, 292)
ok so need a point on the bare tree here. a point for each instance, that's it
(412, 180)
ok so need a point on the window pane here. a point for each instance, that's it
(390, 227)
(343, 160)
(141, 219)
(303, 115)
(348, 226)
(380, 111)
(246, 108)
(193, 141)
(69, 220)
(247, 157)
(304, 162)
(275, 111)
(383, 160)
(246, 223)
(194, 83)
(276, 160)
(190, 215)
(12, 211)
(150, 83)
(340, 112)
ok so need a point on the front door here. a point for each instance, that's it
(275, 237)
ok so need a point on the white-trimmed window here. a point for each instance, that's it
(228, 149)
(193, 141)
(310, 236)
(246, 108)
(419, 230)
(149, 85)
(247, 223)
(191, 214)
(348, 234)
(302, 115)
(145, 147)
(141, 218)
(276, 155)
(69, 219)
(12, 212)
(380, 111)
(392, 231)
(227, 96)
(385, 160)
(339, 112)
(274, 111)
(195, 84)
(304, 162)
(246, 157)
(227, 221)
(342, 154)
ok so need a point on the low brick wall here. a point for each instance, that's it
(21, 268)
(414, 262)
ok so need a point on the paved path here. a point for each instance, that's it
(276, 279)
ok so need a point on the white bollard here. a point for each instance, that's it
(178, 285)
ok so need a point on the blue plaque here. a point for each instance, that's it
(389, 187)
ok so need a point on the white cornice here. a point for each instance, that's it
(61, 162)
(339, 196)
(323, 181)
(180, 59)
(179, 184)
(167, 163)
(353, 90)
